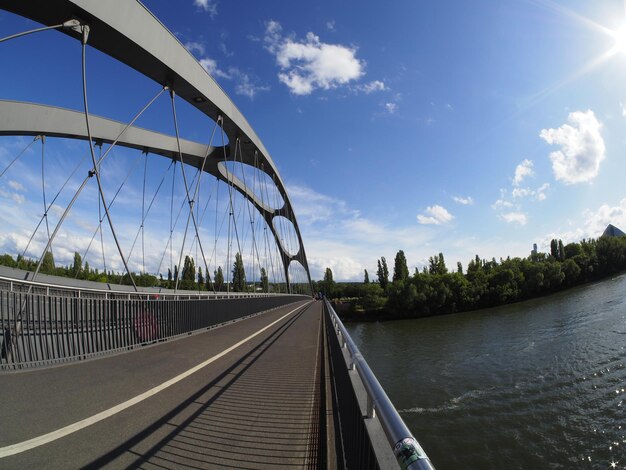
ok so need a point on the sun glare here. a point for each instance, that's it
(620, 41)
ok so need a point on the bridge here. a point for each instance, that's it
(110, 364)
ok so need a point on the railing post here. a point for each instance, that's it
(406, 449)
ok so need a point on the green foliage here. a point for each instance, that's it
(239, 275)
(400, 269)
(327, 286)
(435, 291)
(219, 280)
(7, 260)
(77, 267)
(382, 272)
(265, 284)
(366, 278)
(189, 270)
(200, 277)
(47, 266)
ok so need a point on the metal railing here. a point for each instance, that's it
(357, 443)
(39, 329)
(107, 291)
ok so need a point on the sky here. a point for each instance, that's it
(433, 126)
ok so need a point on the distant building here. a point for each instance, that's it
(534, 252)
(612, 231)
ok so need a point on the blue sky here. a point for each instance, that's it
(434, 126)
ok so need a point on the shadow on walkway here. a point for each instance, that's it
(262, 412)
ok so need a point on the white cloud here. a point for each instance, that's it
(311, 64)
(523, 170)
(592, 223)
(582, 148)
(17, 186)
(245, 84)
(466, 201)
(330, 25)
(209, 6)
(435, 215)
(515, 217)
(541, 191)
(18, 198)
(501, 204)
(195, 46)
(521, 192)
(623, 107)
(210, 65)
(371, 87)
(391, 107)
(596, 221)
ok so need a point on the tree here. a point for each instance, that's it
(219, 279)
(78, 264)
(47, 266)
(561, 251)
(459, 267)
(554, 248)
(265, 283)
(329, 283)
(382, 272)
(200, 277)
(400, 269)
(239, 274)
(189, 270)
(7, 260)
(366, 278)
(437, 265)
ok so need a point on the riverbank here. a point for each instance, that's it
(346, 309)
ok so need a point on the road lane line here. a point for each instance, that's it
(72, 428)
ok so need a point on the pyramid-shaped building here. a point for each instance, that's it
(612, 231)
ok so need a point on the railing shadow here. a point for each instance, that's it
(246, 418)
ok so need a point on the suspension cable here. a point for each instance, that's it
(93, 158)
(143, 212)
(67, 24)
(52, 203)
(84, 183)
(104, 259)
(130, 253)
(189, 200)
(196, 197)
(267, 242)
(101, 218)
(250, 212)
(175, 223)
(19, 155)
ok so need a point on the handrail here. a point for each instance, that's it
(407, 450)
(161, 292)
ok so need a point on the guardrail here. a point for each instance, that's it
(358, 448)
(39, 329)
(107, 292)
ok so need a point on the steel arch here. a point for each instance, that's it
(127, 31)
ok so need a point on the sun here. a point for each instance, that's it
(619, 37)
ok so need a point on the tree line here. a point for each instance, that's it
(190, 277)
(485, 283)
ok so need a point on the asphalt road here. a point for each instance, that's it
(253, 407)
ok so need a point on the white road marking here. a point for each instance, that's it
(72, 428)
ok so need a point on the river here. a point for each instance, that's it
(535, 385)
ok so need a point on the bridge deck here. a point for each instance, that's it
(255, 407)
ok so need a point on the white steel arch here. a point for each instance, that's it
(127, 31)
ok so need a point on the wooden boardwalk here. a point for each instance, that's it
(259, 406)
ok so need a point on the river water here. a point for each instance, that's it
(535, 385)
